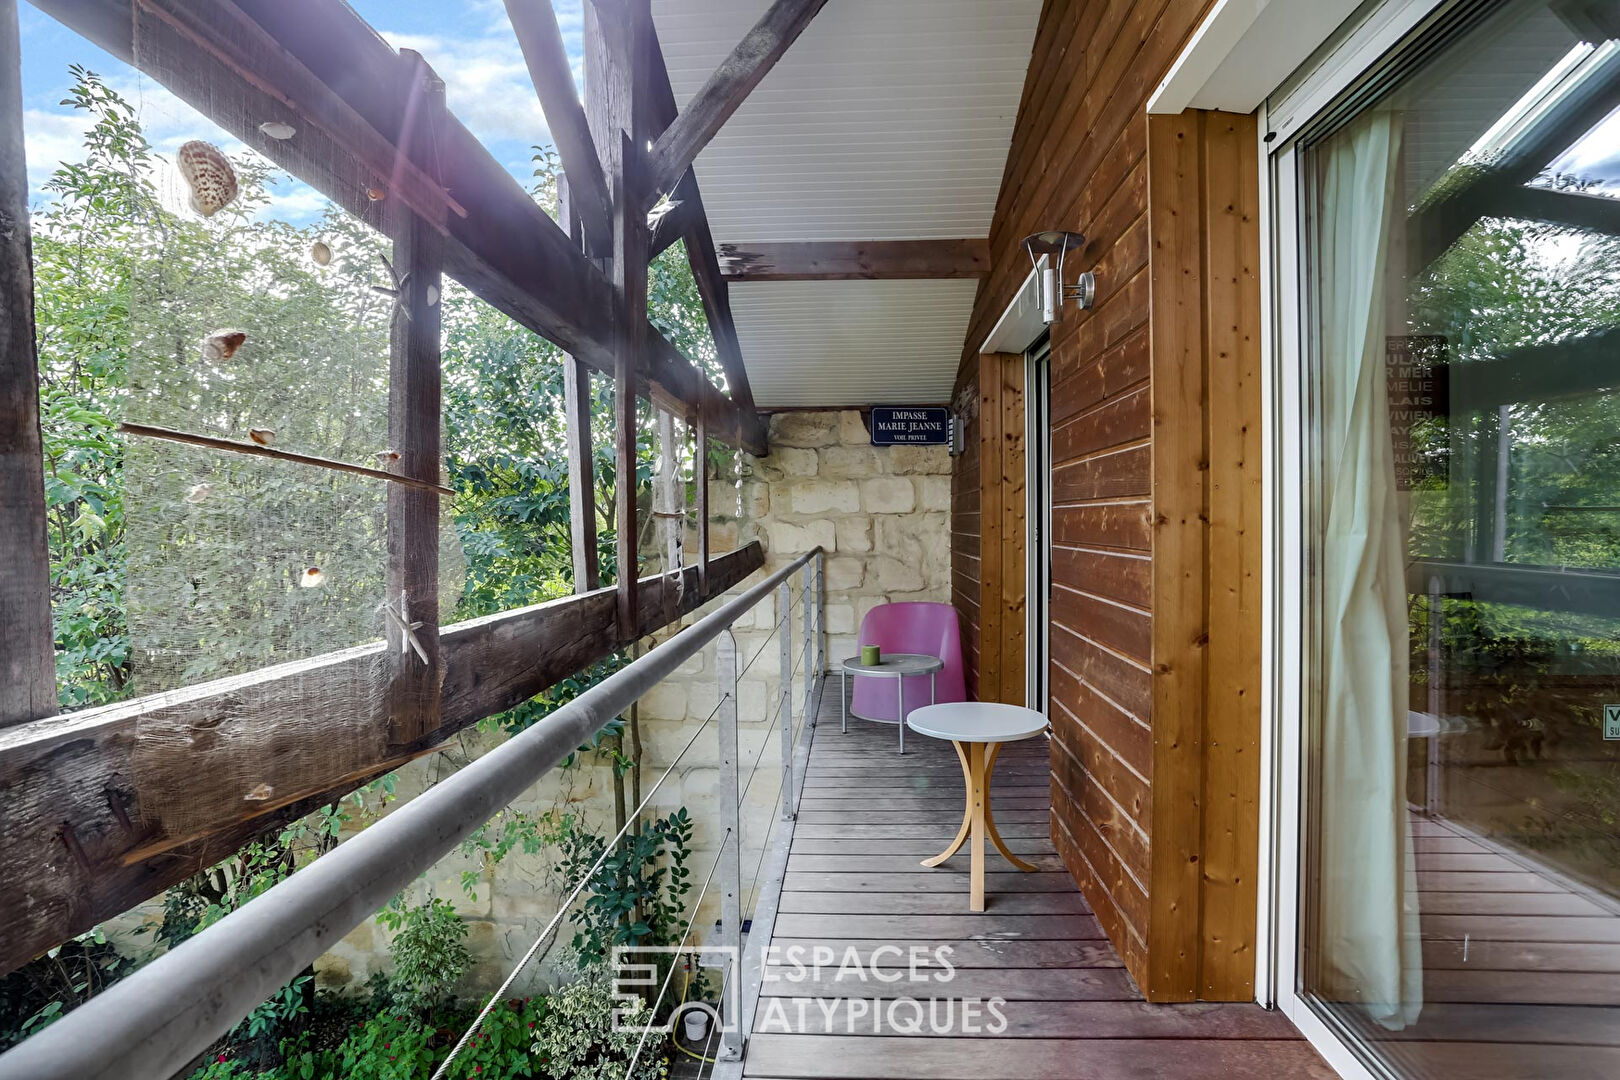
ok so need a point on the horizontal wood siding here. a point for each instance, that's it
(966, 572)
(1078, 161)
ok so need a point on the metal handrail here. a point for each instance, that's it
(158, 1020)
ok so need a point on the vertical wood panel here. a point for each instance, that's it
(991, 524)
(1013, 507)
(27, 665)
(1180, 633)
(1232, 744)
(965, 526)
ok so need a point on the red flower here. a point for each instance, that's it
(531, 1023)
(222, 1056)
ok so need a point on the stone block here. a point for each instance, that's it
(332, 971)
(919, 460)
(840, 618)
(888, 495)
(852, 429)
(805, 429)
(666, 701)
(854, 534)
(893, 575)
(844, 573)
(786, 462)
(790, 539)
(850, 462)
(754, 499)
(826, 496)
(934, 493)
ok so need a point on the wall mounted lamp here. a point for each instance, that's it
(1056, 245)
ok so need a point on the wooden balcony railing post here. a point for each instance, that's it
(27, 662)
(414, 392)
(729, 829)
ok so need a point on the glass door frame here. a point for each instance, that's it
(1288, 636)
(1037, 520)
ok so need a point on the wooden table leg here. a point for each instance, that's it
(978, 800)
(967, 810)
(990, 820)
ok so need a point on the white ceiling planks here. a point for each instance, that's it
(886, 120)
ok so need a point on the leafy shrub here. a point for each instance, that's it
(577, 1038)
(637, 896)
(429, 950)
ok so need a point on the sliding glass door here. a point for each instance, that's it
(1456, 216)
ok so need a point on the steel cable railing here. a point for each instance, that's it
(160, 1018)
(567, 902)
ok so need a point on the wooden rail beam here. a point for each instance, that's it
(855, 260)
(107, 807)
(726, 89)
(27, 661)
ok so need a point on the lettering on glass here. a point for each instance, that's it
(1416, 376)
(927, 426)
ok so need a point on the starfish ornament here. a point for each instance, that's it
(401, 620)
(397, 291)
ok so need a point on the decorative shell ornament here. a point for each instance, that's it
(222, 344)
(263, 436)
(320, 253)
(376, 194)
(209, 175)
(260, 793)
(275, 129)
(387, 458)
(199, 493)
(313, 577)
(433, 296)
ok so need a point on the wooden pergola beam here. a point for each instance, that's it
(322, 69)
(693, 225)
(678, 147)
(855, 260)
(107, 807)
(535, 24)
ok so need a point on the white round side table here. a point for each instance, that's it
(977, 729)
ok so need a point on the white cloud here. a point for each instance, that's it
(487, 85)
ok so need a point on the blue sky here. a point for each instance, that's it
(469, 43)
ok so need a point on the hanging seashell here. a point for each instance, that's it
(387, 458)
(432, 296)
(312, 578)
(278, 130)
(261, 793)
(376, 194)
(209, 175)
(263, 436)
(199, 493)
(222, 344)
(320, 253)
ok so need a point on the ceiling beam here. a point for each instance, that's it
(855, 260)
(535, 24)
(320, 68)
(677, 148)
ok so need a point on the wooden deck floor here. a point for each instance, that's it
(854, 886)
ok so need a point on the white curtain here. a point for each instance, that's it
(1367, 935)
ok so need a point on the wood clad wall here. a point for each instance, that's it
(1001, 471)
(965, 529)
(1122, 766)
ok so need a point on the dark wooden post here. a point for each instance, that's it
(613, 39)
(414, 392)
(581, 475)
(27, 661)
(700, 476)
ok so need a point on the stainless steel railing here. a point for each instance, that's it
(159, 1019)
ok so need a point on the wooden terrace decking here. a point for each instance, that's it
(854, 883)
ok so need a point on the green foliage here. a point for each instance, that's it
(636, 897)
(37, 994)
(577, 1040)
(429, 950)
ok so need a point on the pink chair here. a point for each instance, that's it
(910, 627)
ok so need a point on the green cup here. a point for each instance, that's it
(871, 654)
